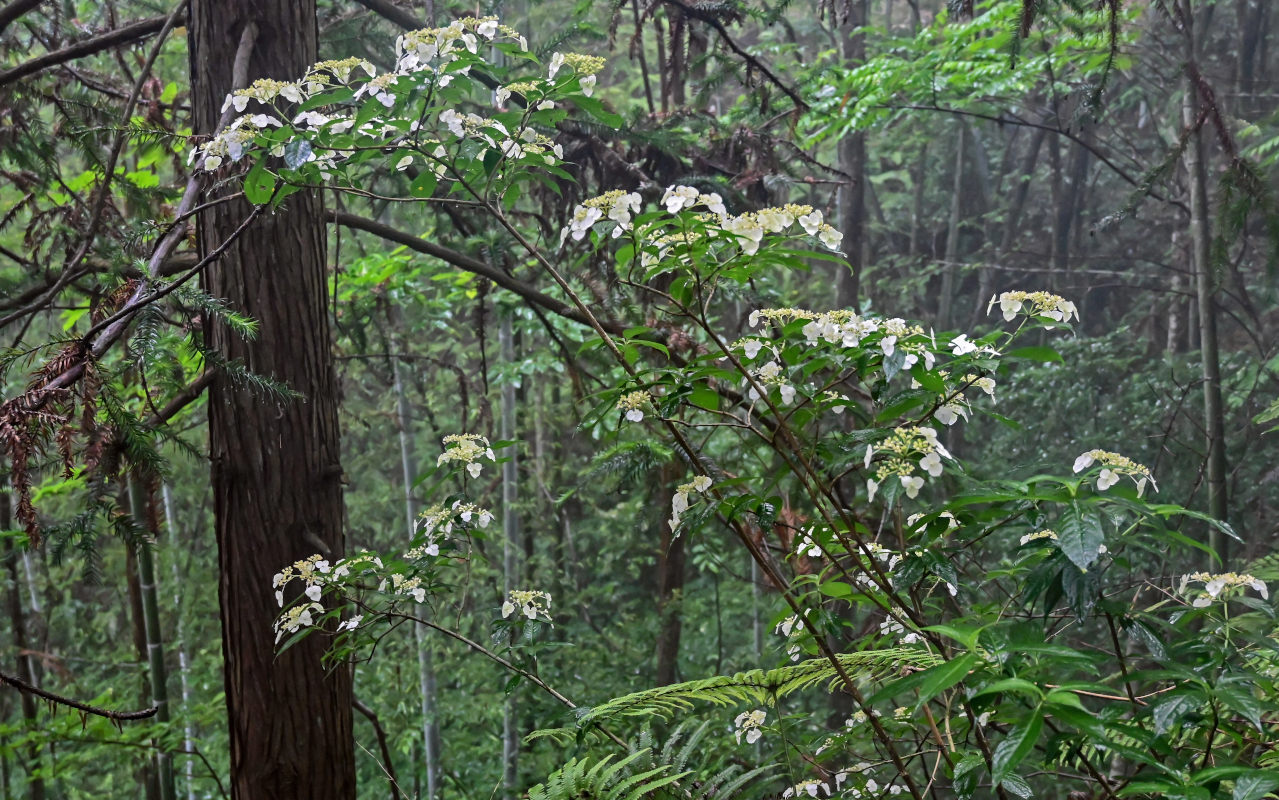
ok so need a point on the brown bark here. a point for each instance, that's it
(670, 587)
(852, 161)
(275, 465)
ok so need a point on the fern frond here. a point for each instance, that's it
(604, 779)
(756, 686)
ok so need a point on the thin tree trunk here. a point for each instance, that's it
(852, 162)
(188, 731)
(154, 640)
(276, 464)
(946, 302)
(425, 660)
(670, 581)
(25, 670)
(1012, 222)
(919, 177)
(1205, 294)
(510, 555)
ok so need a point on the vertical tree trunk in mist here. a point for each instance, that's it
(275, 464)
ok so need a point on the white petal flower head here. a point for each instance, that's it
(931, 464)
(473, 469)
(557, 61)
(751, 347)
(508, 608)
(788, 394)
(812, 223)
(830, 237)
(701, 483)
(634, 415)
(912, 484)
(1106, 479)
(960, 345)
(313, 591)
(872, 486)
(1084, 461)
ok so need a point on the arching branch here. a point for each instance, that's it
(126, 34)
(83, 708)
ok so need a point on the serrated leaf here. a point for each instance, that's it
(943, 676)
(1014, 747)
(1080, 537)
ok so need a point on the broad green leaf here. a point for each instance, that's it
(943, 676)
(1080, 536)
(1255, 785)
(259, 184)
(1014, 747)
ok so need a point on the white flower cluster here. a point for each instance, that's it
(423, 52)
(793, 629)
(680, 504)
(584, 66)
(1039, 536)
(1113, 467)
(311, 571)
(1034, 304)
(903, 447)
(632, 404)
(617, 206)
(892, 627)
(1216, 586)
(748, 725)
(767, 375)
(529, 602)
(468, 449)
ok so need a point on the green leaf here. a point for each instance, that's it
(1080, 536)
(704, 397)
(424, 184)
(1255, 785)
(297, 153)
(1011, 685)
(943, 676)
(259, 184)
(1014, 747)
(1041, 354)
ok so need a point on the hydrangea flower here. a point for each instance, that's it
(1216, 586)
(1035, 304)
(748, 725)
(467, 449)
(531, 603)
(1115, 466)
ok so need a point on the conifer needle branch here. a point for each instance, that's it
(84, 708)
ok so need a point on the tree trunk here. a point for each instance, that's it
(946, 302)
(1205, 295)
(188, 730)
(510, 554)
(276, 472)
(425, 661)
(156, 671)
(852, 162)
(25, 671)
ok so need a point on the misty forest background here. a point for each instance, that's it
(206, 380)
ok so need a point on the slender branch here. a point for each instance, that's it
(1079, 140)
(13, 10)
(469, 264)
(84, 708)
(387, 766)
(126, 34)
(751, 61)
